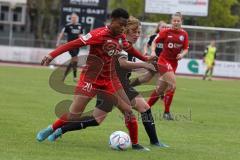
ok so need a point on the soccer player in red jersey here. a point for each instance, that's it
(99, 74)
(175, 47)
(124, 65)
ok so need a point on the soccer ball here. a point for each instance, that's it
(119, 140)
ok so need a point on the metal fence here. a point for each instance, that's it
(227, 40)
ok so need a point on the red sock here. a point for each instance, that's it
(132, 125)
(153, 98)
(168, 100)
(60, 122)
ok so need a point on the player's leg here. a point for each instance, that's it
(83, 94)
(168, 97)
(72, 65)
(142, 79)
(76, 109)
(159, 91)
(75, 63)
(208, 63)
(125, 107)
(104, 105)
(92, 120)
(211, 72)
(147, 119)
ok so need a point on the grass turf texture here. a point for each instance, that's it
(211, 132)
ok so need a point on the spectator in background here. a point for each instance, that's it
(73, 30)
(209, 57)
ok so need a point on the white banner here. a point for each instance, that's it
(185, 66)
(186, 7)
(31, 55)
(197, 67)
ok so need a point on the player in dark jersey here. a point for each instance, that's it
(73, 31)
(149, 75)
(175, 47)
(124, 65)
(99, 74)
(159, 46)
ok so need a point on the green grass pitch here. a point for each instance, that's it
(208, 125)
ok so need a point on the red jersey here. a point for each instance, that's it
(103, 46)
(174, 41)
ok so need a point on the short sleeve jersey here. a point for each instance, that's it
(73, 31)
(159, 46)
(103, 47)
(174, 41)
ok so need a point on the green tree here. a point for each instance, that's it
(220, 14)
(44, 19)
(136, 9)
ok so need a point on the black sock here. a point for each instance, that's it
(78, 125)
(135, 82)
(67, 70)
(74, 66)
(148, 122)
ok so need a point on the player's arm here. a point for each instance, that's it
(89, 39)
(205, 52)
(60, 36)
(159, 38)
(145, 49)
(185, 48)
(124, 63)
(61, 49)
(148, 45)
(134, 52)
(153, 48)
(81, 32)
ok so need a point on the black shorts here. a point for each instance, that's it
(130, 91)
(106, 102)
(74, 52)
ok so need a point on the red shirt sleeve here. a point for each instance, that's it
(66, 47)
(186, 43)
(93, 37)
(89, 39)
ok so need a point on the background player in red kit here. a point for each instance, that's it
(99, 74)
(175, 47)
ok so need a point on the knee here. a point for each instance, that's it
(172, 87)
(100, 119)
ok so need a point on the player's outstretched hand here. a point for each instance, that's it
(46, 60)
(180, 56)
(150, 67)
(152, 59)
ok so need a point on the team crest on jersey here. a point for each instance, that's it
(87, 37)
(181, 38)
(110, 48)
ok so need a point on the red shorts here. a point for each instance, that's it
(90, 87)
(165, 65)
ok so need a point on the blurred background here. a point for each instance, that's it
(29, 28)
